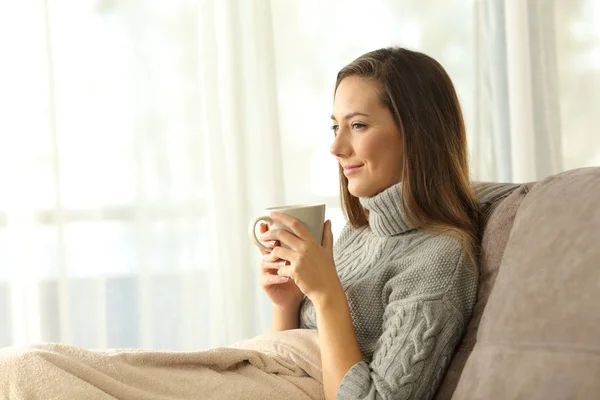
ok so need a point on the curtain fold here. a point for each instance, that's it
(548, 130)
(491, 140)
(243, 150)
(519, 133)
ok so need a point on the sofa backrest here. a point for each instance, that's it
(535, 331)
(499, 204)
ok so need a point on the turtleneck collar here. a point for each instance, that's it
(387, 217)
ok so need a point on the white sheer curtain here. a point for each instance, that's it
(538, 88)
(243, 154)
(137, 139)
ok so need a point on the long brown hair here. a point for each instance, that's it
(436, 189)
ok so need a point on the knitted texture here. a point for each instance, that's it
(411, 294)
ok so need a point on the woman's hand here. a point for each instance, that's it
(311, 266)
(282, 291)
(308, 263)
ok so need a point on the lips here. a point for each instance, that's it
(350, 169)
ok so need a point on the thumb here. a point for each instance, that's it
(328, 236)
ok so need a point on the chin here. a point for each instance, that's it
(358, 190)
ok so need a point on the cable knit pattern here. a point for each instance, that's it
(410, 293)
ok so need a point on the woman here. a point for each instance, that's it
(392, 298)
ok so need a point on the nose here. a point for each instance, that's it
(340, 147)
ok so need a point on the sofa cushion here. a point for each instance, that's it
(499, 204)
(539, 336)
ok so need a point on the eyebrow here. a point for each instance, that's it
(352, 114)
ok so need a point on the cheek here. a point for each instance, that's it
(380, 154)
(369, 150)
(384, 158)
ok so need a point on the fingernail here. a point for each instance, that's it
(266, 256)
(284, 278)
(282, 263)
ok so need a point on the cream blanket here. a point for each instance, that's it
(282, 365)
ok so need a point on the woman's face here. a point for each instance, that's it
(367, 141)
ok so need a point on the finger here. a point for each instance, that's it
(287, 272)
(271, 245)
(327, 241)
(263, 228)
(268, 271)
(294, 224)
(268, 279)
(283, 236)
(274, 265)
(270, 257)
(285, 254)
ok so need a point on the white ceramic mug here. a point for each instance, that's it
(312, 216)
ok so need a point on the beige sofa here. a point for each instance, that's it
(535, 330)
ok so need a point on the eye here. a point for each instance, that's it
(334, 128)
(358, 125)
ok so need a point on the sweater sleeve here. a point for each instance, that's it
(421, 328)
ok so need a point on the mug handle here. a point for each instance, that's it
(252, 231)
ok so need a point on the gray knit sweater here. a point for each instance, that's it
(410, 293)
